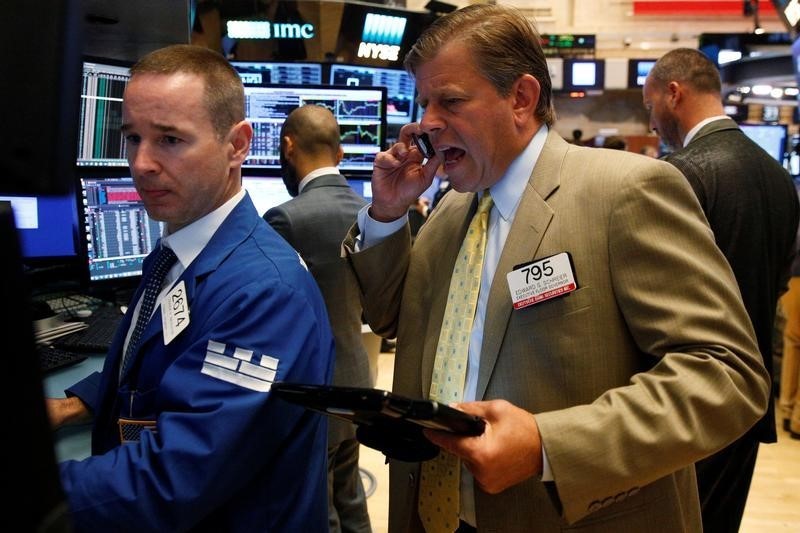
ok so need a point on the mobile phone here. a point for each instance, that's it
(424, 144)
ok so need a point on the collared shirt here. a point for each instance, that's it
(506, 195)
(187, 243)
(324, 171)
(693, 131)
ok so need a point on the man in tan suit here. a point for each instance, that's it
(598, 402)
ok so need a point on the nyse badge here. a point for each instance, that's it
(542, 280)
(174, 312)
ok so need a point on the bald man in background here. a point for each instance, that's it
(752, 208)
(313, 222)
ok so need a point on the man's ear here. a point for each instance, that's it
(675, 93)
(240, 136)
(525, 93)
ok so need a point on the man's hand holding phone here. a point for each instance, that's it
(401, 173)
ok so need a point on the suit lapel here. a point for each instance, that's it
(531, 221)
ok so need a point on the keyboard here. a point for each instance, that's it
(97, 338)
(52, 358)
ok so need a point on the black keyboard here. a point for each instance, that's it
(52, 358)
(98, 336)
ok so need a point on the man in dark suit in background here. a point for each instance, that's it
(752, 209)
(313, 222)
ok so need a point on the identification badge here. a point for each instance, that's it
(174, 312)
(541, 280)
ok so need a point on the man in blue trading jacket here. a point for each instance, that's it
(185, 434)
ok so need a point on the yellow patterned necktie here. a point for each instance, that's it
(440, 477)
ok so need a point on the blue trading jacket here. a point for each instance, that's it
(224, 456)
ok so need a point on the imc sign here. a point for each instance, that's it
(381, 37)
(264, 29)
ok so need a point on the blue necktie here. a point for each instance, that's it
(164, 260)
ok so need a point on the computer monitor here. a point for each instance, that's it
(584, 75)
(360, 112)
(399, 85)
(118, 233)
(638, 69)
(362, 187)
(770, 137)
(47, 227)
(265, 191)
(258, 73)
(100, 141)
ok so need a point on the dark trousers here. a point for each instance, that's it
(723, 480)
(347, 502)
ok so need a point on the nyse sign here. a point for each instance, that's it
(381, 37)
(387, 52)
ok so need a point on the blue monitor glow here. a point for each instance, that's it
(360, 112)
(399, 87)
(265, 191)
(362, 187)
(47, 226)
(258, 73)
(638, 69)
(771, 137)
(100, 141)
(584, 75)
(118, 232)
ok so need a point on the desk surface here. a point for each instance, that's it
(72, 442)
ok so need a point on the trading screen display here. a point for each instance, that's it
(360, 112)
(118, 232)
(399, 87)
(258, 73)
(770, 137)
(265, 191)
(100, 141)
(47, 226)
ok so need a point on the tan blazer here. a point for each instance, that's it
(649, 366)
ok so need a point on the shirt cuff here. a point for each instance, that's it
(372, 232)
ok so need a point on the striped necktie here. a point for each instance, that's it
(440, 477)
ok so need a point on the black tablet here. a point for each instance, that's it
(364, 406)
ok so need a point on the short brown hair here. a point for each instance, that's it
(689, 66)
(224, 93)
(504, 43)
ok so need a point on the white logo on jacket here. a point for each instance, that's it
(244, 368)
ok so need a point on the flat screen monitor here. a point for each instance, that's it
(100, 141)
(638, 69)
(587, 75)
(360, 112)
(269, 191)
(362, 187)
(399, 87)
(258, 73)
(47, 226)
(770, 137)
(118, 233)
(265, 191)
